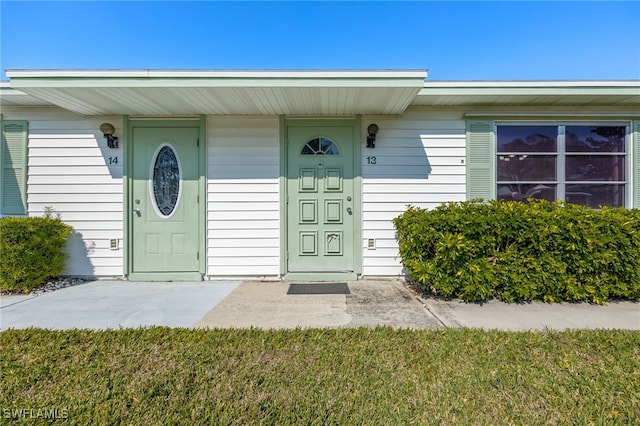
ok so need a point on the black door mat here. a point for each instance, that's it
(319, 288)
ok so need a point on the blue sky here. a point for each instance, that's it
(455, 40)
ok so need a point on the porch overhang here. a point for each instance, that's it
(158, 93)
(14, 97)
(620, 93)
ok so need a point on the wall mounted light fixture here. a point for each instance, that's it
(371, 138)
(108, 130)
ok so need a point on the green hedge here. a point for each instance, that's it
(516, 251)
(31, 251)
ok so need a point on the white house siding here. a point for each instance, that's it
(243, 212)
(420, 161)
(68, 171)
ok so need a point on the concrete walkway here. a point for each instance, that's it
(115, 304)
(214, 304)
(536, 315)
(371, 303)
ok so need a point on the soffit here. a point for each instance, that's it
(13, 97)
(550, 93)
(222, 93)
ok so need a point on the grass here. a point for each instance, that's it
(321, 376)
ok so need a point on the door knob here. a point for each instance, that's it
(137, 212)
(349, 210)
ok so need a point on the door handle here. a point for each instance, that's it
(349, 210)
(136, 212)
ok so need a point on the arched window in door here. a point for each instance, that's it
(320, 146)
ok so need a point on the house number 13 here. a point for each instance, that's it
(372, 160)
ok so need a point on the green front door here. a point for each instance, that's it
(164, 204)
(320, 204)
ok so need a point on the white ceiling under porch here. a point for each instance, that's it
(146, 92)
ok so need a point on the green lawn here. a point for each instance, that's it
(321, 376)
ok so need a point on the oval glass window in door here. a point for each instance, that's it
(166, 180)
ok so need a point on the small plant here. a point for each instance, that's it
(50, 213)
(522, 251)
(31, 250)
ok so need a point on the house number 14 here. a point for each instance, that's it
(372, 160)
(113, 160)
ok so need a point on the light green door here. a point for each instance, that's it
(164, 204)
(320, 208)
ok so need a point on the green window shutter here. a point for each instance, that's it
(635, 156)
(13, 165)
(480, 160)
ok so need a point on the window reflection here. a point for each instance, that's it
(166, 180)
(592, 164)
(527, 138)
(596, 195)
(595, 138)
(516, 167)
(520, 192)
(595, 167)
(320, 146)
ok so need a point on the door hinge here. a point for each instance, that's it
(198, 142)
(197, 199)
(197, 255)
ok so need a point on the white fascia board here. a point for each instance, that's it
(217, 74)
(600, 89)
(168, 83)
(531, 83)
(319, 74)
(591, 87)
(17, 73)
(212, 79)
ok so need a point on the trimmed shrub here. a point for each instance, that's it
(31, 251)
(517, 251)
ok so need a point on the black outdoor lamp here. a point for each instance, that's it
(371, 139)
(108, 130)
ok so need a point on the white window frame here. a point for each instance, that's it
(561, 153)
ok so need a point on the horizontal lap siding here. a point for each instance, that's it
(419, 161)
(68, 171)
(243, 199)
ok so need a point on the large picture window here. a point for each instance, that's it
(580, 163)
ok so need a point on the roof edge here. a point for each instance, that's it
(149, 73)
(466, 84)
